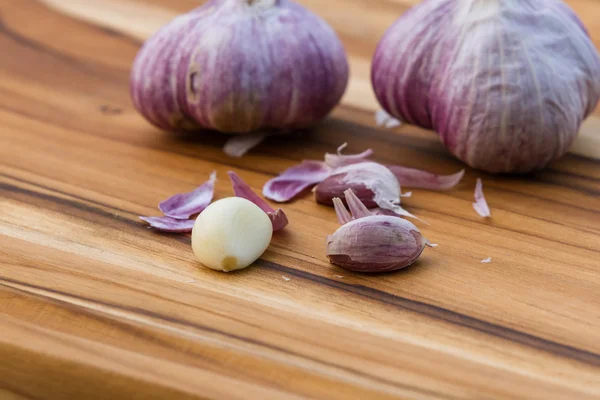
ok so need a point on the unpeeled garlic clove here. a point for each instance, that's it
(505, 83)
(375, 244)
(240, 66)
(373, 183)
(368, 243)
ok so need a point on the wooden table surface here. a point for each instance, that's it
(95, 305)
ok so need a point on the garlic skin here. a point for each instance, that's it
(505, 83)
(239, 66)
(231, 234)
(375, 244)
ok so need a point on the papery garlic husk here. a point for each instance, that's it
(239, 66)
(505, 83)
(375, 244)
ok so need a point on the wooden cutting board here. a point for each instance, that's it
(95, 305)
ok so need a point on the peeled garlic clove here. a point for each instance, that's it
(241, 66)
(375, 244)
(184, 205)
(506, 84)
(231, 234)
(295, 180)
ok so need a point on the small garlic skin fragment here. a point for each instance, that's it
(238, 146)
(505, 83)
(240, 66)
(295, 180)
(416, 178)
(184, 205)
(481, 206)
(168, 224)
(375, 244)
(339, 159)
(231, 234)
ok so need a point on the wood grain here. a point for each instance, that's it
(95, 305)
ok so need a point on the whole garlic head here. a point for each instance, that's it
(505, 83)
(231, 234)
(238, 66)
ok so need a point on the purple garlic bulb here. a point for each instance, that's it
(239, 66)
(505, 83)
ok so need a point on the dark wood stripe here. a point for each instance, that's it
(104, 318)
(446, 315)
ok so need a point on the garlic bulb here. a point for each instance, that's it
(231, 234)
(238, 66)
(505, 83)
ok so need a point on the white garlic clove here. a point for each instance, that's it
(505, 83)
(231, 234)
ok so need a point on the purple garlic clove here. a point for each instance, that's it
(375, 244)
(372, 243)
(506, 84)
(373, 183)
(240, 66)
